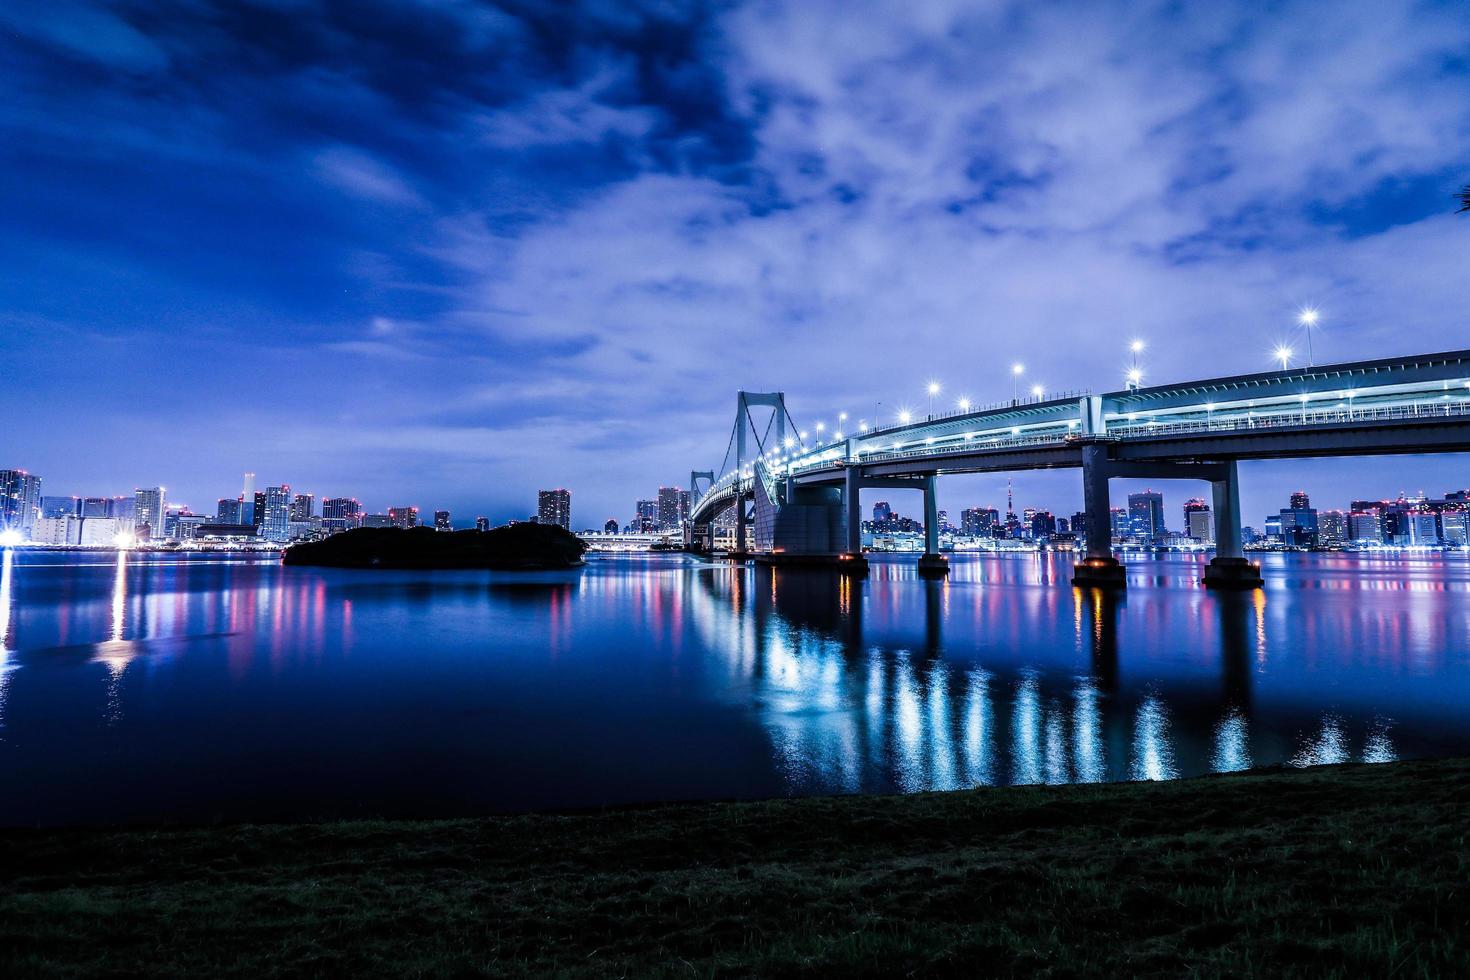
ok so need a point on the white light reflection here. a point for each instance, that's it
(6, 562)
(979, 766)
(1026, 731)
(910, 728)
(1087, 733)
(1232, 746)
(115, 653)
(1378, 747)
(941, 737)
(1327, 749)
(1057, 770)
(1153, 758)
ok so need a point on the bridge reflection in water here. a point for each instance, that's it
(861, 692)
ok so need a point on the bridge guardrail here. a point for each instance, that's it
(1442, 407)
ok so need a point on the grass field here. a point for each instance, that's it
(1354, 871)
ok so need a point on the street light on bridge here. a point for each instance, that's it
(1308, 318)
(1283, 354)
(964, 404)
(933, 390)
(1037, 391)
(904, 415)
(1016, 371)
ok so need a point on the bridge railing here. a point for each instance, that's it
(1442, 406)
(1009, 404)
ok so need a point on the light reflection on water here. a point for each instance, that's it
(239, 689)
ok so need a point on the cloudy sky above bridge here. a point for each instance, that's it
(447, 252)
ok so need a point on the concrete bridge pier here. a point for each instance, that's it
(1099, 570)
(1229, 569)
(931, 562)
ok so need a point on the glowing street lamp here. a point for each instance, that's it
(1037, 391)
(1135, 379)
(964, 404)
(1283, 354)
(904, 416)
(1308, 318)
(1016, 371)
(933, 390)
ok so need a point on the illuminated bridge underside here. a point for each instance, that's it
(1398, 405)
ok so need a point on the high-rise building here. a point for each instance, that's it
(96, 507)
(611, 527)
(65, 529)
(1146, 516)
(403, 517)
(1121, 525)
(1454, 525)
(227, 511)
(277, 505)
(978, 522)
(1332, 529)
(645, 516)
(1198, 522)
(482, 524)
(54, 507)
(1079, 524)
(1423, 527)
(1042, 525)
(673, 508)
(1365, 525)
(555, 507)
(882, 512)
(248, 499)
(344, 509)
(303, 507)
(1299, 522)
(20, 502)
(377, 520)
(441, 521)
(151, 508)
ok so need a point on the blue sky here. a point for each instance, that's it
(445, 253)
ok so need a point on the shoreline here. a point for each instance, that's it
(1342, 870)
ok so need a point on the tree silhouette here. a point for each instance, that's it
(1464, 200)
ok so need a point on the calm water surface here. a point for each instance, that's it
(188, 688)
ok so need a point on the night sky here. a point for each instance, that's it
(445, 253)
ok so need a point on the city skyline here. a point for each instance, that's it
(434, 280)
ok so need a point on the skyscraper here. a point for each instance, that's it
(482, 524)
(555, 507)
(403, 517)
(441, 521)
(344, 509)
(645, 516)
(151, 507)
(97, 507)
(20, 501)
(1197, 521)
(227, 511)
(673, 508)
(247, 502)
(303, 507)
(881, 512)
(277, 524)
(54, 507)
(611, 527)
(1146, 515)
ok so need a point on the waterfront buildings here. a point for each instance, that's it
(441, 521)
(150, 506)
(303, 507)
(403, 517)
(277, 524)
(673, 508)
(342, 512)
(1199, 523)
(20, 502)
(482, 524)
(555, 507)
(1146, 516)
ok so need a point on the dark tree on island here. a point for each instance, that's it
(1464, 200)
(519, 546)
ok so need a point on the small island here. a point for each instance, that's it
(518, 547)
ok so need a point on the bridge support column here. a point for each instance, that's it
(932, 562)
(851, 560)
(1229, 569)
(1099, 569)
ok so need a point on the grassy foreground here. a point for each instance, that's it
(1354, 871)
